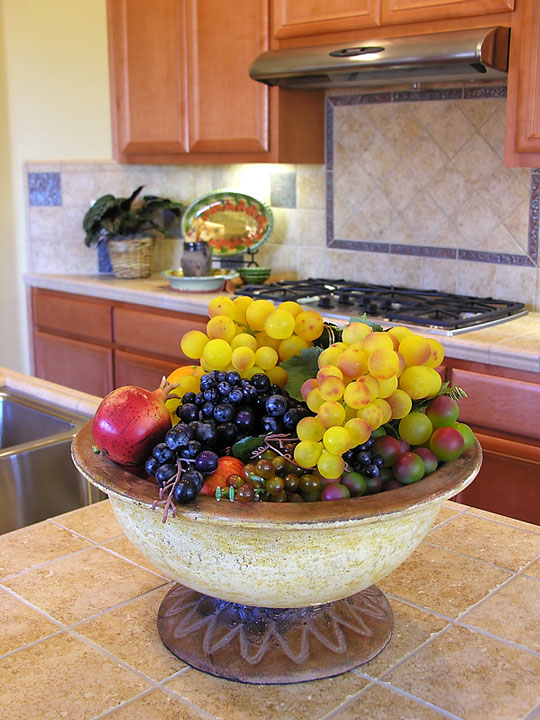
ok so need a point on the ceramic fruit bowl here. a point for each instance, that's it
(254, 275)
(284, 589)
(205, 283)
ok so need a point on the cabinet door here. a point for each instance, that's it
(297, 18)
(396, 12)
(73, 315)
(73, 363)
(147, 56)
(228, 111)
(140, 370)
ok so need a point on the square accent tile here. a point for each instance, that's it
(44, 188)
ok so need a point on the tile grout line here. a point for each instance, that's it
(482, 560)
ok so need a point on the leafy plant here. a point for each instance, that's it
(111, 217)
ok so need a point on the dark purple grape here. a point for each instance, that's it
(206, 434)
(211, 395)
(207, 410)
(245, 421)
(163, 453)
(236, 396)
(259, 403)
(176, 437)
(292, 417)
(363, 458)
(261, 382)
(207, 381)
(193, 476)
(226, 434)
(151, 465)
(224, 412)
(188, 412)
(188, 397)
(184, 492)
(224, 388)
(350, 456)
(166, 472)
(275, 390)
(206, 461)
(270, 424)
(371, 471)
(378, 460)
(250, 393)
(233, 377)
(191, 451)
(199, 399)
(221, 376)
(276, 405)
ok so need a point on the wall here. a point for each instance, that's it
(56, 92)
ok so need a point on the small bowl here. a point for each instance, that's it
(254, 275)
(204, 283)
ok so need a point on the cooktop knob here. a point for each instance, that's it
(325, 302)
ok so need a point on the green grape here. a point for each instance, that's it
(256, 313)
(331, 413)
(385, 408)
(307, 453)
(242, 358)
(310, 428)
(309, 325)
(266, 358)
(415, 350)
(387, 387)
(314, 399)
(221, 326)
(415, 428)
(222, 305)
(357, 394)
(331, 388)
(279, 324)
(383, 363)
(244, 340)
(337, 440)
(264, 340)
(400, 403)
(218, 353)
(330, 465)
(372, 414)
(359, 430)
(193, 343)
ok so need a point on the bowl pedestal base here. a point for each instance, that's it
(274, 645)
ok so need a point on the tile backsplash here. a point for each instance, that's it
(414, 193)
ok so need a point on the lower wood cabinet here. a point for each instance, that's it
(96, 345)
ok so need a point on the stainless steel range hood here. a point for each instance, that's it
(474, 55)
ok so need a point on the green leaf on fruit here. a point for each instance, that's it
(331, 333)
(371, 323)
(299, 369)
(243, 448)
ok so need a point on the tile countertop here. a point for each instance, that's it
(514, 344)
(78, 605)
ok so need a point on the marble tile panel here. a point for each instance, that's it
(472, 676)
(425, 160)
(476, 160)
(46, 223)
(475, 278)
(475, 221)
(404, 270)
(502, 545)
(47, 255)
(75, 587)
(441, 580)
(130, 633)
(21, 624)
(311, 227)
(79, 258)
(34, 545)
(340, 264)
(41, 679)
(44, 188)
(283, 190)
(229, 700)
(283, 259)
(285, 231)
(78, 188)
(512, 613)
(493, 130)
(96, 522)
(378, 159)
(187, 183)
(311, 262)
(379, 701)
(373, 267)
(516, 283)
(440, 274)
(412, 627)
(158, 706)
(401, 130)
(149, 176)
(400, 187)
(424, 218)
(503, 192)
(452, 130)
(113, 181)
(479, 111)
(311, 187)
(449, 189)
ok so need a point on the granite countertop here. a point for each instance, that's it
(514, 344)
(79, 604)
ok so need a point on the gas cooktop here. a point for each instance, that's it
(441, 312)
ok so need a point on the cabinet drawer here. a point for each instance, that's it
(72, 315)
(141, 370)
(499, 403)
(152, 333)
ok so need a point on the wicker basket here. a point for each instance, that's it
(132, 257)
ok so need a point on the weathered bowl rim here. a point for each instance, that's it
(448, 480)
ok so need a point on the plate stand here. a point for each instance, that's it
(274, 645)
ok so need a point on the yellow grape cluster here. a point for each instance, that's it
(363, 382)
(252, 336)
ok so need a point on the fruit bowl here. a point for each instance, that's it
(302, 570)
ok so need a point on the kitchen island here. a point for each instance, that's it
(79, 638)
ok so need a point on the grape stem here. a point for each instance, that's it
(169, 487)
(280, 439)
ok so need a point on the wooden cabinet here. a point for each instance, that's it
(400, 12)
(503, 408)
(96, 345)
(181, 92)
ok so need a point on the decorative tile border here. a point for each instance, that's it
(530, 259)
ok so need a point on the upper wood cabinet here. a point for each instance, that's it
(181, 92)
(299, 18)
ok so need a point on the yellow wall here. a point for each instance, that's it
(54, 105)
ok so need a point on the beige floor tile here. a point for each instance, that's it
(97, 522)
(156, 705)
(130, 633)
(34, 545)
(381, 702)
(503, 545)
(230, 700)
(20, 624)
(473, 676)
(412, 627)
(78, 586)
(513, 613)
(443, 581)
(63, 677)
(504, 520)
(533, 570)
(126, 549)
(446, 513)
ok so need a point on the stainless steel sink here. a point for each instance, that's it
(37, 477)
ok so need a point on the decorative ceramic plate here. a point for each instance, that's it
(206, 283)
(231, 222)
